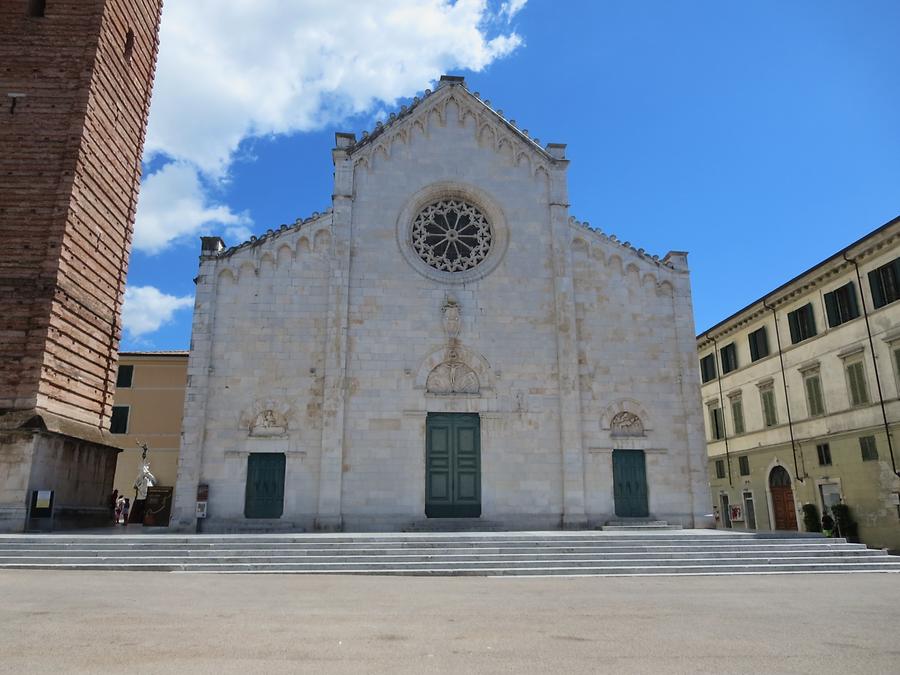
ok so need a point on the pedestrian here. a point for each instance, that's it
(827, 525)
(113, 501)
(125, 509)
(120, 506)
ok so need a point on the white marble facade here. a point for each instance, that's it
(331, 340)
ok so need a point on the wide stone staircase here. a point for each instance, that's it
(682, 552)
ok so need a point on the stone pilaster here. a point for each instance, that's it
(334, 393)
(571, 441)
(689, 377)
(193, 426)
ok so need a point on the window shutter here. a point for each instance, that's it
(754, 350)
(809, 321)
(875, 287)
(794, 325)
(810, 397)
(851, 301)
(831, 309)
(858, 393)
(892, 282)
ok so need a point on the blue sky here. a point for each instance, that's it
(761, 137)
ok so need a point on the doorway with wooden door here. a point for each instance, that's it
(452, 465)
(784, 514)
(630, 483)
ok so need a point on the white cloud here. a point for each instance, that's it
(511, 8)
(147, 309)
(172, 205)
(229, 70)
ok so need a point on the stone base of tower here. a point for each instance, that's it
(79, 471)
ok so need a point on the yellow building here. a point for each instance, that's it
(801, 391)
(148, 407)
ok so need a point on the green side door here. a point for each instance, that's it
(452, 465)
(630, 483)
(265, 485)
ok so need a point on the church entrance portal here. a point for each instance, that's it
(782, 499)
(265, 485)
(630, 483)
(452, 465)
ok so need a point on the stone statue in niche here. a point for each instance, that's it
(626, 424)
(453, 376)
(268, 423)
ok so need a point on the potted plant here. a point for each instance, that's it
(811, 521)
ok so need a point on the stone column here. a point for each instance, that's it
(689, 381)
(193, 425)
(566, 345)
(333, 397)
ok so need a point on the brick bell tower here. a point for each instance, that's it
(75, 83)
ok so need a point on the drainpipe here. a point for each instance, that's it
(721, 406)
(887, 431)
(787, 400)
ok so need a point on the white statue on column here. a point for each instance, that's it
(145, 479)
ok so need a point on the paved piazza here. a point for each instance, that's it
(202, 623)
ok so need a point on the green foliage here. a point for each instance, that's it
(811, 522)
(843, 523)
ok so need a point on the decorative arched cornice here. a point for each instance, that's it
(451, 104)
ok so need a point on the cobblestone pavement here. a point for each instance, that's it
(65, 622)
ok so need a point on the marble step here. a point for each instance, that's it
(637, 525)
(467, 552)
(534, 569)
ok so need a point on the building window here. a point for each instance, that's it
(744, 464)
(451, 235)
(708, 367)
(824, 452)
(720, 468)
(815, 401)
(884, 282)
(856, 383)
(118, 423)
(802, 323)
(37, 7)
(129, 45)
(767, 398)
(729, 358)
(124, 376)
(716, 423)
(867, 448)
(759, 344)
(737, 414)
(840, 305)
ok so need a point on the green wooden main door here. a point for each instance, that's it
(452, 465)
(630, 483)
(265, 485)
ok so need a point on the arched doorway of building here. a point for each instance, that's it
(783, 513)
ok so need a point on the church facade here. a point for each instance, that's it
(444, 342)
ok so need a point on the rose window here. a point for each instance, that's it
(451, 235)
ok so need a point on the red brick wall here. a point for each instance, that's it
(69, 176)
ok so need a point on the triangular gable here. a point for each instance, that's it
(401, 124)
